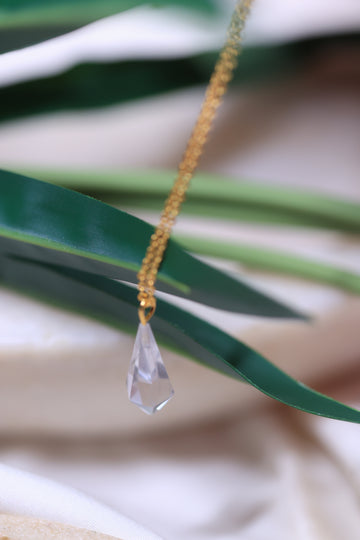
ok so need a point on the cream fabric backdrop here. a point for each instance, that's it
(27, 494)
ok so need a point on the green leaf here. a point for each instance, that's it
(27, 12)
(115, 303)
(18, 38)
(50, 224)
(100, 84)
(213, 196)
(274, 261)
(26, 22)
(219, 197)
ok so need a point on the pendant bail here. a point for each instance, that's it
(146, 309)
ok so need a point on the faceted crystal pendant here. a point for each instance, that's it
(148, 384)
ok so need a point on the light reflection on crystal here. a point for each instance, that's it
(148, 383)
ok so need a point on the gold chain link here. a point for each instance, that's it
(215, 91)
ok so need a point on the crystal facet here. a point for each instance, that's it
(148, 383)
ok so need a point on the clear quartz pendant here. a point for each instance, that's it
(148, 383)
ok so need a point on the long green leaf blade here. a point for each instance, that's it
(116, 303)
(273, 260)
(214, 196)
(26, 22)
(51, 224)
(34, 12)
(100, 84)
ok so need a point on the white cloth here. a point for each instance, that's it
(272, 474)
(27, 494)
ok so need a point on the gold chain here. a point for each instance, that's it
(216, 89)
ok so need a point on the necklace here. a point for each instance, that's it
(148, 383)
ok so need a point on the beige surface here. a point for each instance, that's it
(24, 528)
(269, 474)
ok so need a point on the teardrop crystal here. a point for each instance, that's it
(148, 383)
